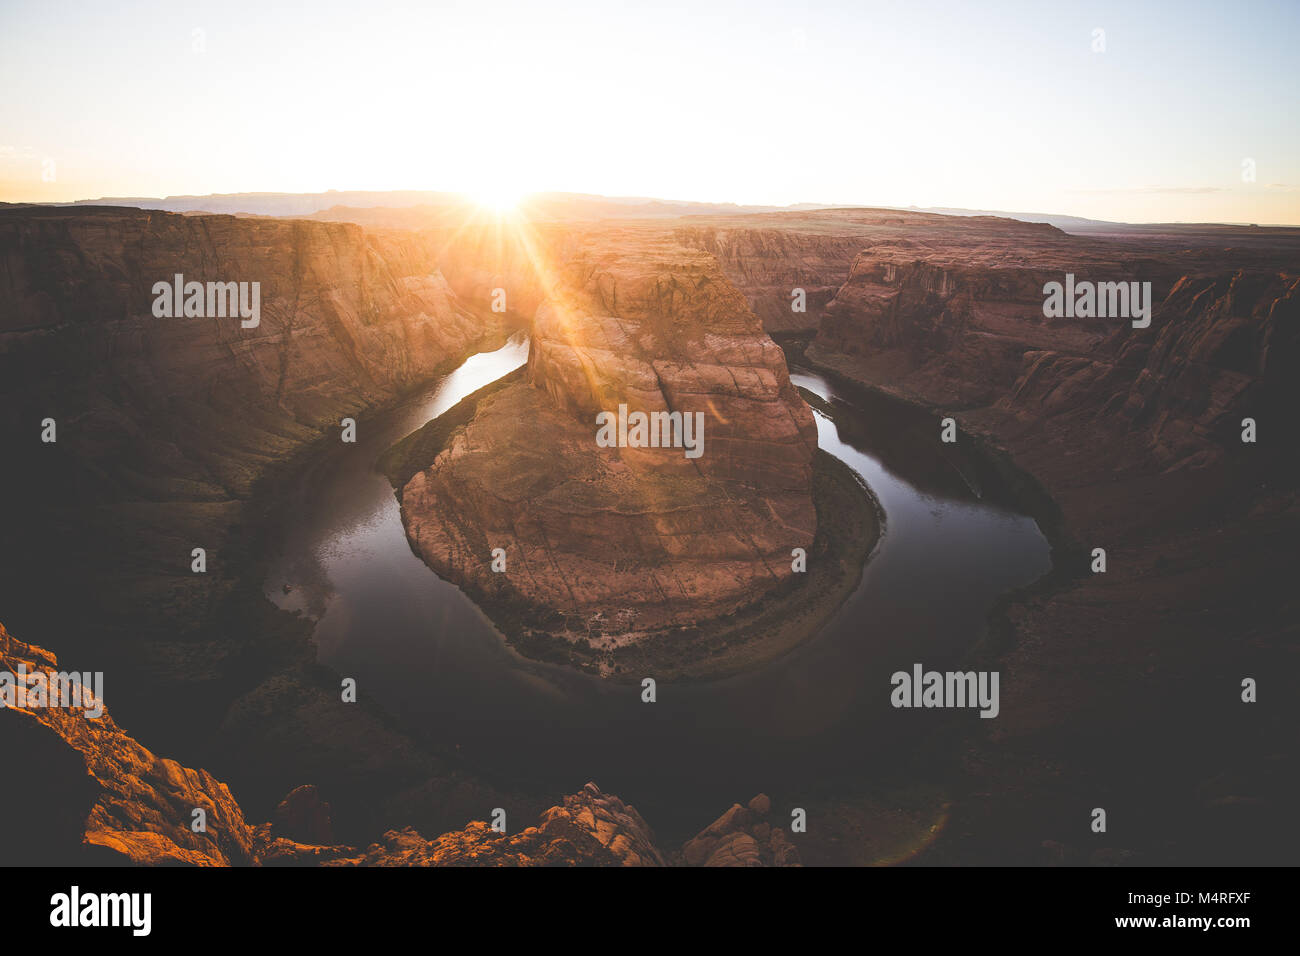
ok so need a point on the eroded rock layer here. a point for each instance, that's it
(770, 260)
(164, 428)
(621, 540)
(165, 424)
(1138, 436)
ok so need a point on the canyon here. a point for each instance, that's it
(1134, 437)
(154, 413)
(1122, 687)
(169, 433)
(623, 538)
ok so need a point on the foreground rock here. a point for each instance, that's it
(589, 829)
(743, 836)
(102, 798)
(613, 543)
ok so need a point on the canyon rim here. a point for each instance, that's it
(641, 437)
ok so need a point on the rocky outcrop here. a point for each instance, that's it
(948, 322)
(1228, 348)
(100, 797)
(743, 836)
(768, 264)
(619, 541)
(942, 310)
(304, 817)
(347, 317)
(589, 828)
(1140, 445)
(1136, 437)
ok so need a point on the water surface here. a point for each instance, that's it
(818, 714)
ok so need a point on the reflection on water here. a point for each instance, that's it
(422, 647)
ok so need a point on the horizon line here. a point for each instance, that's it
(758, 208)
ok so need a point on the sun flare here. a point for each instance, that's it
(495, 199)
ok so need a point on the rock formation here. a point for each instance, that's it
(623, 540)
(768, 257)
(941, 310)
(743, 836)
(165, 424)
(165, 427)
(1228, 347)
(96, 796)
(949, 321)
(1135, 435)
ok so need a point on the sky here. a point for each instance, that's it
(1182, 111)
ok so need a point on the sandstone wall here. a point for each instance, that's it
(165, 424)
(623, 540)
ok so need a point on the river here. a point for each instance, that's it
(433, 659)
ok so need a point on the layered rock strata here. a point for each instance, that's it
(164, 424)
(1136, 434)
(165, 428)
(769, 262)
(623, 540)
(743, 836)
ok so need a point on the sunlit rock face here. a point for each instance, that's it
(346, 316)
(588, 828)
(656, 327)
(101, 797)
(621, 540)
(769, 262)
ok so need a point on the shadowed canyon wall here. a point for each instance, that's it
(165, 424)
(1136, 435)
(165, 428)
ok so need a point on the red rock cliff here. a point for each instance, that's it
(625, 540)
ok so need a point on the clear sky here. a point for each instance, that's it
(994, 105)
